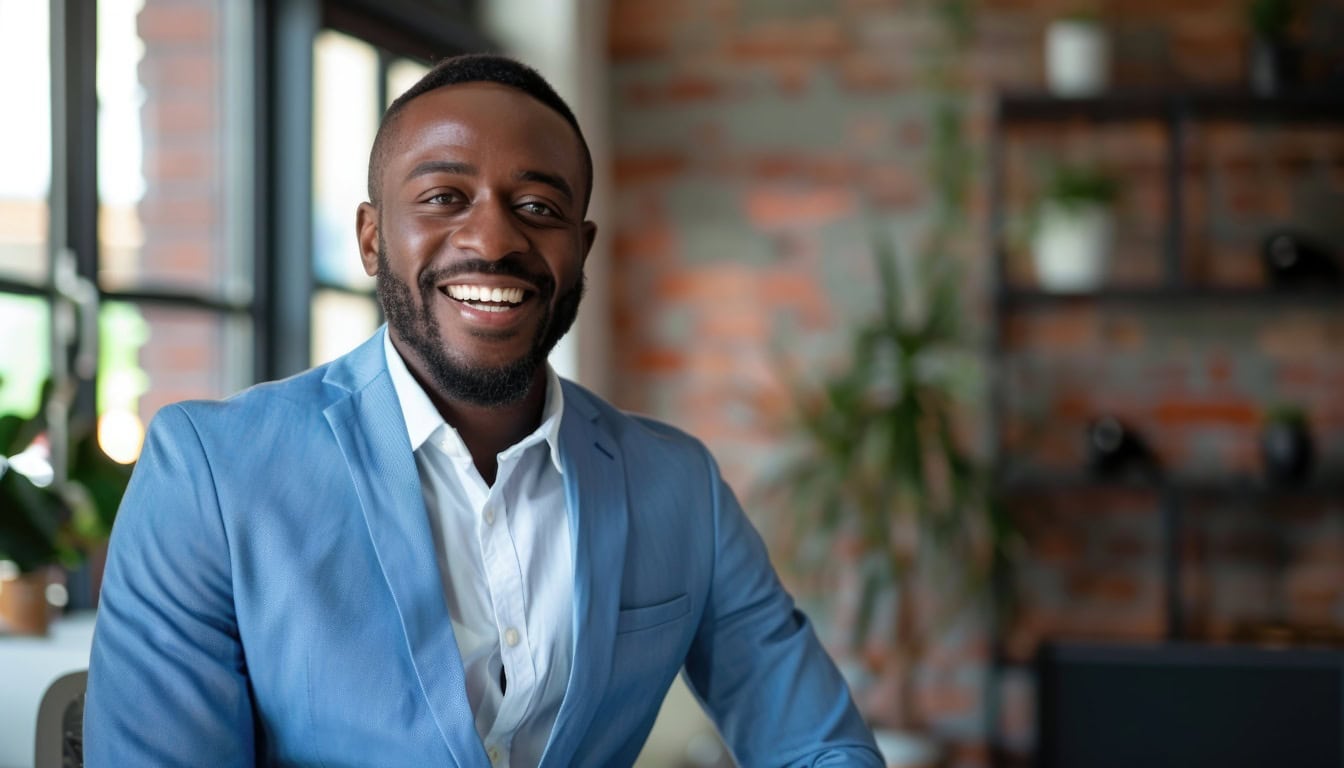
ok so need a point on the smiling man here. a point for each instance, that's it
(434, 551)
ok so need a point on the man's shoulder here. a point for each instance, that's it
(631, 430)
(283, 401)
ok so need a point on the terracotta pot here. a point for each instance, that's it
(23, 604)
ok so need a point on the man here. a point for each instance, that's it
(433, 551)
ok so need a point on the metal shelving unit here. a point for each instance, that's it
(1174, 110)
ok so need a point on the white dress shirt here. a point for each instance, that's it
(504, 556)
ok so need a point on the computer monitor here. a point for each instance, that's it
(1189, 706)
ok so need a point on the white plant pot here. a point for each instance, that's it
(906, 749)
(1072, 247)
(1077, 58)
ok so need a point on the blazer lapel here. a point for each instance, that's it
(372, 436)
(598, 517)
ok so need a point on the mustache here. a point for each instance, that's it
(508, 267)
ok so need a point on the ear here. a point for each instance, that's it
(366, 232)
(588, 231)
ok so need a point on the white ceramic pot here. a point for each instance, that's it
(1077, 58)
(907, 749)
(1072, 247)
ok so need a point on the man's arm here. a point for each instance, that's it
(167, 680)
(758, 667)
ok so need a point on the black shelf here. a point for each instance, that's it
(1189, 296)
(1175, 111)
(1024, 484)
(1139, 105)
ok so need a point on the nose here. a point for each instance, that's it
(491, 231)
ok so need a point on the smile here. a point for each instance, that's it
(486, 298)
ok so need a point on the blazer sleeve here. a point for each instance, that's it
(167, 679)
(757, 666)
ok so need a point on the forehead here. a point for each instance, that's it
(484, 123)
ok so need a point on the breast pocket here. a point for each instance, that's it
(639, 618)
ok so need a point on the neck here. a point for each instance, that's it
(486, 430)
(489, 430)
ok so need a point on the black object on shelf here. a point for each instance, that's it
(1116, 451)
(1287, 450)
(1295, 260)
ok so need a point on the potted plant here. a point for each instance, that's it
(1286, 446)
(30, 533)
(880, 489)
(1274, 61)
(1074, 229)
(1077, 55)
(49, 524)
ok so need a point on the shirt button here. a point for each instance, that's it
(489, 515)
(511, 636)
(494, 754)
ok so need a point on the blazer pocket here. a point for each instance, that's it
(648, 616)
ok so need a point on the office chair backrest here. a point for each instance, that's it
(60, 723)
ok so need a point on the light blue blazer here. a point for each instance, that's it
(272, 596)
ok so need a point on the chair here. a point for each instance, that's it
(60, 723)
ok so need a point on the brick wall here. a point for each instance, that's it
(182, 212)
(754, 142)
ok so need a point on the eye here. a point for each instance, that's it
(538, 208)
(444, 198)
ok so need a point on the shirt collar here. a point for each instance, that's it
(423, 419)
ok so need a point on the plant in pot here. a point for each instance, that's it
(1286, 446)
(49, 524)
(1074, 229)
(31, 539)
(1275, 63)
(1077, 55)
(882, 497)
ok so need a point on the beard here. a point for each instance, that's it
(457, 379)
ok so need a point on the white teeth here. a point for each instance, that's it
(486, 293)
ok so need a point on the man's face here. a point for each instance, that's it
(479, 241)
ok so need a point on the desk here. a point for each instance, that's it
(28, 665)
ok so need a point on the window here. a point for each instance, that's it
(353, 82)
(25, 154)
(159, 241)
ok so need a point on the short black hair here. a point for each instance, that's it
(474, 68)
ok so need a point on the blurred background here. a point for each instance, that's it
(1016, 324)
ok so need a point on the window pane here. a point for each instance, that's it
(26, 361)
(25, 139)
(401, 75)
(345, 119)
(171, 355)
(341, 321)
(167, 163)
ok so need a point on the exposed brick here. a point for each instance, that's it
(651, 360)
(160, 23)
(1194, 381)
(816, 38)
(646, 168)
(773, 207)
(1174, 412)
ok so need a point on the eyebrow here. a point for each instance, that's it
(467, 169)
(441, 166)
(550, 180)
